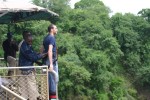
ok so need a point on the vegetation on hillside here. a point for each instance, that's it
(100, 57)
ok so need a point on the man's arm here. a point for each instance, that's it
(29, 54)
(50, 55)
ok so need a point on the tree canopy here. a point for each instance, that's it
(100, 57)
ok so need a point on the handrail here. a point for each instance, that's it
(45, 68)
(25, 67)
(1, 58)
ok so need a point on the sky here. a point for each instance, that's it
(121, 6)
(124, 6)
(127, 6)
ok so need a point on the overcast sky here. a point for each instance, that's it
(125, 6)
(122, 6)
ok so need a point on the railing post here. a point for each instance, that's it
(47, 84)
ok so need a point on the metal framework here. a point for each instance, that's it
(10, 85)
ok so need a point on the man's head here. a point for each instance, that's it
(29, 39)
(27, 36)
(9, 35)
(52, 29)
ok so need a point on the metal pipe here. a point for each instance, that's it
(23, 67)
(1, 58)
(47, 83)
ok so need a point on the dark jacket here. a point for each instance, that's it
(27, 56)
(10, 48)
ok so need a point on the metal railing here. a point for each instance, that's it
(1, 58)
(10, 85)
(10, 91)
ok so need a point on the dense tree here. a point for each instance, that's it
(132, 33)
(145, 13)
(3, 31)
(100, 58)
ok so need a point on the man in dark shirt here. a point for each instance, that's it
(10, 47)
(49, 44)
(27, 57)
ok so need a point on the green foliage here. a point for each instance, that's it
(3, 31)
(1, 53)
(103, 96)
(145, 13)
(100, 58)
(132, 34)
(117, 89)
(74, 78)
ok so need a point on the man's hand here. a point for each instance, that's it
(51, 67)
(41, 49)
(39, 63)
(44, 55)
